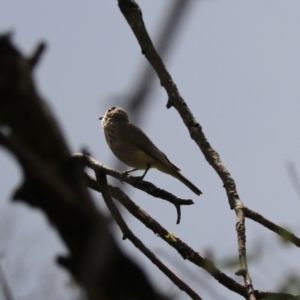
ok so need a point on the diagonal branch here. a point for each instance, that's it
(285, 234)
(127, 233)
(143, 185)
(133, 15)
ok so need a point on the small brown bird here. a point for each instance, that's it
(132, 146)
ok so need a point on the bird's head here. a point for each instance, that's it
(114, 114)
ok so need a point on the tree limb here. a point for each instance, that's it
(136, 182)
(54, 183)
(133, 15)
(128, 234)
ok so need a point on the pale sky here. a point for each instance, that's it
(236, 64)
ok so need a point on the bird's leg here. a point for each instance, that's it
(147, 169)
(134, 169)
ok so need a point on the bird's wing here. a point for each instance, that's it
(143, 141)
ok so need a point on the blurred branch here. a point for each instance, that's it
(294, 177)
(36, 55)
(54, 183)
(177, 13)
(136, 182)
(127, 233)
(133, 15)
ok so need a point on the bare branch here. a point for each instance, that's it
(133, 15)
(285, 234)
(136, 182)
(127, 233)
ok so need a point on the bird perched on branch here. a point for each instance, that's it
(132, 146)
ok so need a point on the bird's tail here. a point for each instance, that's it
(166, 166)
(185, 181)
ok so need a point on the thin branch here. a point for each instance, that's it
(285, 234)
(143, 185)
(127, 233)
(275, 296)
(133, 15)
(37, 55)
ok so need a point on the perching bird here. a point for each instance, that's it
(132, 146)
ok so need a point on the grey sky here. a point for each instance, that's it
(237, 65)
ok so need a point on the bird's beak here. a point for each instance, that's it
(100, 118)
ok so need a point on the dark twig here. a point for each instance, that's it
(36, 55)
(275, 296)
(145, 186)
(127, 233)
(285, 234)
(133, 15)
